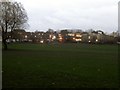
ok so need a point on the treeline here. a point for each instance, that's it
(63, 36)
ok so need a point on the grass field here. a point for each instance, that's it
(60, 66)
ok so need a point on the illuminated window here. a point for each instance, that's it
(54, 37)
(73, 38)
(96, 40)
(50, 36)
(78, 35)
(78, 40)
(60, 38)
(89, 37)
(71, 34)
(41, 41)
(25, 36)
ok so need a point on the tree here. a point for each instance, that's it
(90, 30)
(13, 16)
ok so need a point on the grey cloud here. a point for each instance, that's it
(84, 14)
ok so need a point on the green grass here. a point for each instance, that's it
(60, 66)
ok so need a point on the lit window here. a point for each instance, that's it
(25, 36)
(89, 37)
(71, 34)
(60, 38)
(54, 37)
(41, 41)
(78, 35)
(96, 40)
(78, 40)
(50, 36)
(73, 38)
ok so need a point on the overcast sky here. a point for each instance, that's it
(72, 14)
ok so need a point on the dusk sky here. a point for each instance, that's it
(72, 14)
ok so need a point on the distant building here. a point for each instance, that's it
(20, 35)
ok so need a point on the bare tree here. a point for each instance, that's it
(13, 16)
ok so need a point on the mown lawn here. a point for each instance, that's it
(60, 66)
